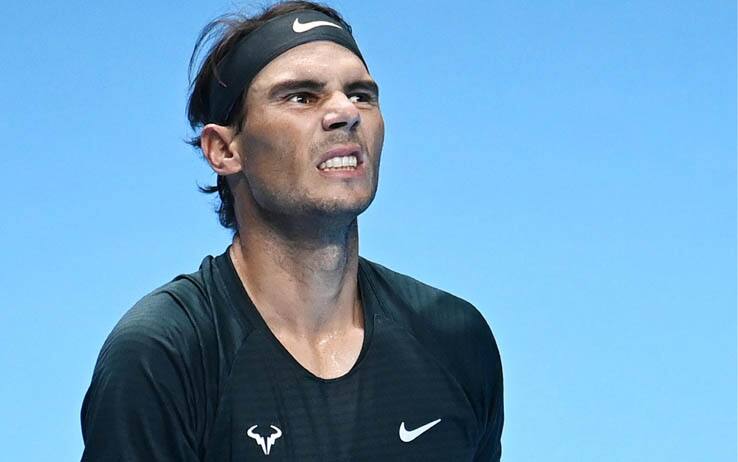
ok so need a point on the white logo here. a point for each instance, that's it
(408, 435)
(266, 445)
(299, 28)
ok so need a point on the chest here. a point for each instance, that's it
(396, 403)
(328, 357)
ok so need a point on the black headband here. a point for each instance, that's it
(257, 49)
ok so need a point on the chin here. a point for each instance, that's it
(344, 208)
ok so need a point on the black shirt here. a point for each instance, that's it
(193, 373)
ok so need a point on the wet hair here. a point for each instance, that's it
(216, 39)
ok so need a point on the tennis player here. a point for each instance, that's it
(289, 346)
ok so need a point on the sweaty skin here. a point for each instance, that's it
(296, 252)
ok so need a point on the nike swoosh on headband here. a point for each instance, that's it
(298, 27)
(257, 49)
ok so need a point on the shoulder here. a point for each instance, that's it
(162, 324)
(451, 329)
(422, 306)
(179, 314)
(150, 370)
(159, 342)
(174, 323)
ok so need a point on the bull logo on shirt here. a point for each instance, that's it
(266, 444)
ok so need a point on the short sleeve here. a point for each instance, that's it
(141, 404)
(489, 448)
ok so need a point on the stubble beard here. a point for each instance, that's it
(316, 214)
(295, 211)
(298, 216)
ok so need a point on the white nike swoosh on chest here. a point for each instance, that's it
(408, 435)
(299, 27)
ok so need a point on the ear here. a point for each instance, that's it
(221, 149)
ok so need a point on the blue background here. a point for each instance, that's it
(569, 167)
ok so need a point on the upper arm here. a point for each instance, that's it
(490, 444)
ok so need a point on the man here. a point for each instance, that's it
(289, 346)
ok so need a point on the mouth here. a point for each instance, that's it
(342, 158)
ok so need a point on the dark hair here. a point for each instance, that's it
(219, 37)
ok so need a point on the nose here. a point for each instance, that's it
(340, 113)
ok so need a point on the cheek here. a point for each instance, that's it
(377, 135)
(381, 132)
(264, 152)
(277, 143)
(273, 166)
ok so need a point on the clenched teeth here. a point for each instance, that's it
(343, 163)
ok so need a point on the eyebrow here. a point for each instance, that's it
(316, 86)
(293, 85)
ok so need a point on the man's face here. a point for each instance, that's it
(314, 102)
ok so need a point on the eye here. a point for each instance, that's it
(361, 98)
(301, 98)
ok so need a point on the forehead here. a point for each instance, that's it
(320, 60)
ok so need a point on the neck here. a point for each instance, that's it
(303, 284)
